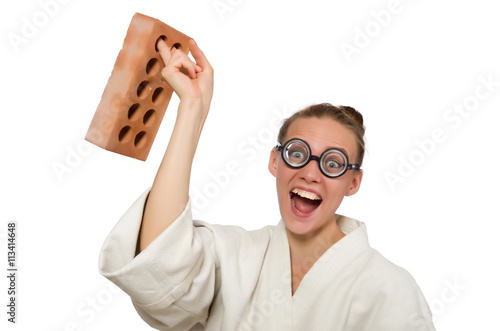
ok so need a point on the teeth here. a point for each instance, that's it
(306, 194)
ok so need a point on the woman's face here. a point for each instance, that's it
(308, 199)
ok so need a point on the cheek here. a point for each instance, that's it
(337, 191)
(284, 175)
(281, 183)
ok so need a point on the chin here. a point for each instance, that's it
(302, 226)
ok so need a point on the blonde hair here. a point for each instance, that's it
(345, 115)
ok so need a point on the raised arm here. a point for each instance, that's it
(193, 83)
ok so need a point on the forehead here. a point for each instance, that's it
(323, 133)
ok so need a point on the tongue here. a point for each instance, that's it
(304, 205)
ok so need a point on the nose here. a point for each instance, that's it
(311, 172)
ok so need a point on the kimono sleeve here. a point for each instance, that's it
(172, 282)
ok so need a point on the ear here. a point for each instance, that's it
(273, 162)
(355, 183)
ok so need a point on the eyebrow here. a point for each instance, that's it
(336, 147)
(341, 149)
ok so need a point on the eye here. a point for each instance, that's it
(296, 155)
(334, 162)
(333, 165)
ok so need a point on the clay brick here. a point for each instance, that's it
(135, 98)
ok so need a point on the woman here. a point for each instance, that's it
(313, 271)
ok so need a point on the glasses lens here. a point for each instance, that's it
(296, 153)
(334, 163)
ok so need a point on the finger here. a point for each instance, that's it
(180, 61)
(174, 48)
(164, 50)
(198, 54)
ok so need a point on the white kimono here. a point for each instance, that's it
(212, 277)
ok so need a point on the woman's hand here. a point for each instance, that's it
(191, 81)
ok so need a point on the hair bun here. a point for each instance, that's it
(353, 114)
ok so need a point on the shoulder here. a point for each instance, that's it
(390, 295)
(383, 291)
(373, 268)
(384, 274)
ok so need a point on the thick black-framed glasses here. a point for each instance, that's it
(333, 162)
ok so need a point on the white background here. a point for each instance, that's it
(410, 69)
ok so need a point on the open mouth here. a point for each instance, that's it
(304, 202)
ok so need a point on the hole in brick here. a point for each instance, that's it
(158, 95)
(153, 67)
(140, 139)
(149, 117)
(177, 45)
(143, 89)
(133, 114)
(164, 38)
(125, 134)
